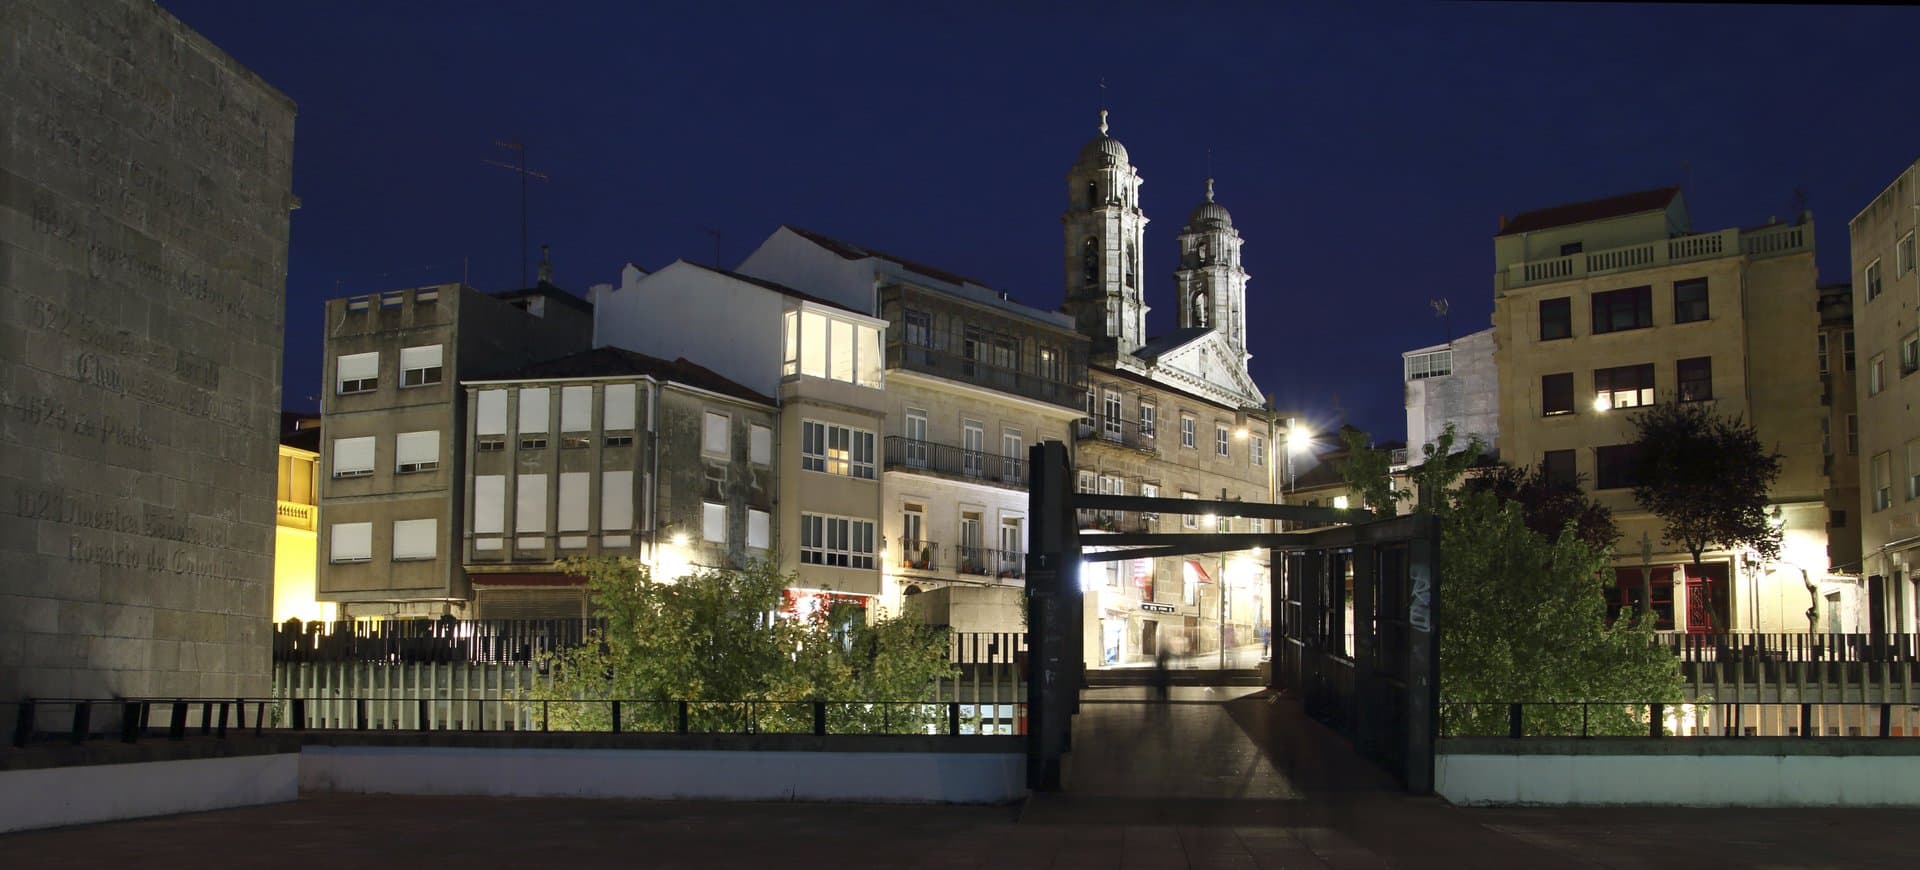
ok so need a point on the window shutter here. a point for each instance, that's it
(492, 413)
(573, 500)
(760, 445)
(715, 439)
(533, 409)
(489, 504)
(353, 456)
(616, 501)
(759, 529)
(619, 411)
(358, 366)
(530, 504)
(414, 449)
(713, 524)
(426, 356)
(352, 542)
(576, 409)
(414, 539)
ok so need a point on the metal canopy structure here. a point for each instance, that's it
(1355, 614)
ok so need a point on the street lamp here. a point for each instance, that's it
(1299, 440)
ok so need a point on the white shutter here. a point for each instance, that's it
(489, 504)
(353, 456)
(713, 523)
(760, 445)
(414, 539)
(492, 413)
(759, 529)
(576, 409)
(424, 357)
(414, 451)
(714, 439)
(533, 410)
(616, 501)
(358, 366)
(619, 408)
(352, 542)
(530, 504)
(573, 500)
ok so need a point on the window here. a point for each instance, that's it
(1846, 347)
(1220, 439)
(1822, 351)
(713, 522)
(1432, 364)
(413, 540)
(713, 437)
(617, 407)
(616, 501)
(352, 542)
(1616, 467)
(1557, 466)
(358, 373)
(1872, 280)
(918, 328)
(916, 432)
(973, 443)
(1853, 434)
(1556, 318)
(1876, 374)
(1110, 425)
(1188, 437)
(1826, 436)
(836, 541)
(1696, 378)
(1909, 353)
(759, 445)
(1903, 260)
(1837, 519)
(1623, 387)
(575, 488)
(1571, 248)
(416, 451)
(829, 347)
(1013, 456)
(1147, 412)
(352, 457)
(1619, 310)
(1150, 490)
(530, 503)
(1257, 450)
(1050, 364)
(489, 504)
(619, 439)
(1690, 300)
(420, 366)
(759, 530)
(1556, 394)
(1191, 521)
(533, 418)
(576, 409)
(1913, 469)
(836, 450)
(1882, 481)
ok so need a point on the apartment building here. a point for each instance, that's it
(616, 453)
(1886, 293)
(1839, 447)
(393, 422)
(297, 522)
(1604, 306)
(1452, 384)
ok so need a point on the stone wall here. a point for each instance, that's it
(144, 193)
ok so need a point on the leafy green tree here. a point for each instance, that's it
(1548, 505)
(1706, 475)
(714, 638)
(1368, 470)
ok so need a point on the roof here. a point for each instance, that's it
(850, 251)
(1591, 210)
(604, 362)
(1125, 375)
(300, 430)
(776, 287)
(1161, 345)
(549, 291)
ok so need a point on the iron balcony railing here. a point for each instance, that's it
(1743, 646)
(920, 555)
(1124, 432)
(1116, 521)
(955, 367)
(987, 562)
(912, 454)
(1519, 720)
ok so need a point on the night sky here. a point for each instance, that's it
(1366, 153)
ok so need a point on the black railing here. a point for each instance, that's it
(1520, 720)
(915, 455)
(1792, 647)
(987, 562)
(987, 647)
(918, 555)
(489, 641)
(1116, 521)
(1122, 431)
(130, 720)
(974, 371)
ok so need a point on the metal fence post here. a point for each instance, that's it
(298, 718)
(82, 720)
(820, 718)
(543, 715)
(953, 719)
(1514, 729)
(1656, 720)
(683, 717)
(616, 717)
(177, 723)
(222, 731)
(1886, 720)
(1585, 728)
(1806, 721)
(206, 717)
(129, 721)
(359, 714)
(23, 722)
(421, 717)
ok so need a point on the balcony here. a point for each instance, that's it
(953, 367)
(295, 515)
(1116, 521)
(911, 454)
(984, 562)
(919, 556)
(1758, 244)
(1121, 432)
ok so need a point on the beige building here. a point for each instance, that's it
(1604, 306)
(610, 452)
(1839, 445)
(1886, 291)
(297, 523)
(393, 422)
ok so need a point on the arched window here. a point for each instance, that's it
(1093, 195)
(1200, 309)
(1090, 261)
(1202, 252)
(1129, 265)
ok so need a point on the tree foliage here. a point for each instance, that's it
(1707, 476)
(714, 638)
(1549, 506)
(1368, 470)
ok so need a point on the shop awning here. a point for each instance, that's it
(1199, 572)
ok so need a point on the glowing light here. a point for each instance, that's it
(1086, 570)
(1603, 403)
(1240, 433)
(1299, 438)
(1340, 501)
(679, 539)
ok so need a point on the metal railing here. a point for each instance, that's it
(974, 371)
(130, 720)
(920, 555)
(428, 640)
(1122, 431)
(1703, 719)
(1764, 242)
(988, 562)
(1791, 647)
(915, 455)
(1116, 521)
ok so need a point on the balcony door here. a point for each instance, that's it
(915, 552)
(1013, 453)
(971, 557)
(916, 438)
(972, 444)
(1011, 542)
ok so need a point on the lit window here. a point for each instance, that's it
(420, 366)
(838, 450)
(1623, 387)
(357, 373)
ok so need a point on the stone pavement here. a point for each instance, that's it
(1207, 781)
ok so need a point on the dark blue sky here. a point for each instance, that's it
(1366, 153)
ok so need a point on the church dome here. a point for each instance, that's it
(1210, 211)
(1104, 146)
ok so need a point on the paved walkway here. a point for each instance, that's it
(1207, 781)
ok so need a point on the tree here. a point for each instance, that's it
(1368, 470)
(715, 637)
(1549, 505)
(1706, 475)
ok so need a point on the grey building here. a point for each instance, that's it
(610, 452)
(390, 497)
(1452, 383)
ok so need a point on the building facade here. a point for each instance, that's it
(1604, 306)
(1839, 446)
(1452, 384)
(296, 530)
(1886, 291)
(394, 422)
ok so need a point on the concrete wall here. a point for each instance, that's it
(1469, 398)
(52, 797)
(145, 181)
(668, 774)
(723, 323)
(1758, 772)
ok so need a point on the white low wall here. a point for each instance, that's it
(54, 796)
(1680, 780)
(888, 777)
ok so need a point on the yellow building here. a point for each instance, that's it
(296, 528)
(1601, 307)
(1886, 289)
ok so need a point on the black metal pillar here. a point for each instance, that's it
(1054, 617)
(1423, 654)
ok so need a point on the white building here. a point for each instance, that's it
(1452, 383)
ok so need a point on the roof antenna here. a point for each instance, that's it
(520, 148)
(1441, 308)
(717, 264)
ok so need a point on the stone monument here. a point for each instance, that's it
(145, 186)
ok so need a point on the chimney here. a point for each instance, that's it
(1503, 223)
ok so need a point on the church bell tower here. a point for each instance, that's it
(1213, 286)
(1104, 233)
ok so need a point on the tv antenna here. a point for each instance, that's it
(1441, 308)
(716, 234)
(520, 149)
